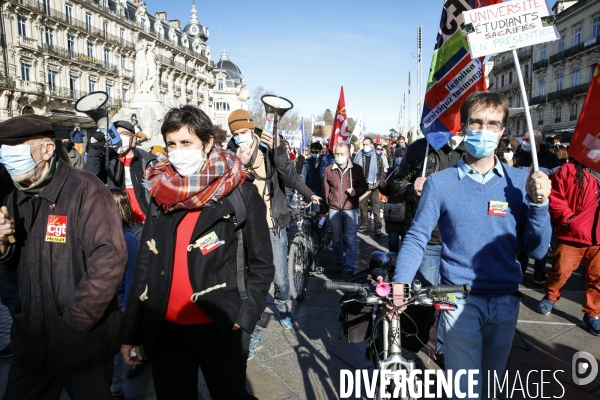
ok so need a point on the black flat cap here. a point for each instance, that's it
(22, 128)
(62, 135)
(125, 124)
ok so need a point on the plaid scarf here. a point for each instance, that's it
(223, 172)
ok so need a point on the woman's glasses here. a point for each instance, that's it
(508, 150)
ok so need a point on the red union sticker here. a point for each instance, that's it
(56, 231)
(498, 208)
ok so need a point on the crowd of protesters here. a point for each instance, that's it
(169, 254)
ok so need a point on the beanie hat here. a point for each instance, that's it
(240, 119)
(158, 149)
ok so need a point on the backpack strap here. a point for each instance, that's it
(235, 198)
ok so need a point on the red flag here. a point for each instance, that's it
(339, 132)
(378, 140)
(585, 144)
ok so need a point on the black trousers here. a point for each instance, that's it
(90, 384)
(182, 349)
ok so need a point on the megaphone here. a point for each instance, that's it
(93, 106)
(275, 107)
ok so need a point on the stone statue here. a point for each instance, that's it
(151, 68)
(141, 66)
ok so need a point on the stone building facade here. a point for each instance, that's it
(59, 50)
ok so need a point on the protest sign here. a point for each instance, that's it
(294, 138)
(508, 25)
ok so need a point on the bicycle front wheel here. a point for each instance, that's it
(298, 267)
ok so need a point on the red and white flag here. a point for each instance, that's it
(585, 143)
(339, 132)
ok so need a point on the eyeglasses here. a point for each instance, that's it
(508, 150)
(379, 148)
(493, 126)
(314, 152)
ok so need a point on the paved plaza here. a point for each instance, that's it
(305, 362)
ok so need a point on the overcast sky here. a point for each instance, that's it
(306, 50)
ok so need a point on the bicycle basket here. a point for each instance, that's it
(356, 318)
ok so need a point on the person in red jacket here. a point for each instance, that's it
(575, 208)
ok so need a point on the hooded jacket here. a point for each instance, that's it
(575, 212)
(411, 168)
(70, 255)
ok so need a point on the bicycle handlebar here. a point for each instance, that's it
(466, 288)
(344, 286)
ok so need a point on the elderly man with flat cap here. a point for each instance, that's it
(126, 170)
(61, 230)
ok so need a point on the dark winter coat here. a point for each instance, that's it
(546, 158)
(68, 316)
(393, 198)
(411, 168)
(224, 306)
(311, 174)
(95, 164)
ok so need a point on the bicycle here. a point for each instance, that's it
(305, 249)
(388, 358)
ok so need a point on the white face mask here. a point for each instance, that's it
(455, 140)
(367, 148)
(341, 160)
(187, 162)
(125, 144)
(508, 156)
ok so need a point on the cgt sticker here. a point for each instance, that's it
(56, 231)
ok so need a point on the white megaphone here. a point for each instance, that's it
(93, 106)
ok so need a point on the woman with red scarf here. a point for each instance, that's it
(186, 309)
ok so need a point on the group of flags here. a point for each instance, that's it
(443, 98)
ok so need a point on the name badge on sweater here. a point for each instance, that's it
(56, 231)
(498, 208)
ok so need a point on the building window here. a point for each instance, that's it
(542, 87)
(575, 77)
(526, 70)
(109, 89)
(22, 25)
(510, 77)
(69, 13)
(220, 84)
(176, 102)
(576, 36)
(71, 44)
(46, 5)
(122, 35)
(596, 27)
(125, 93)
(90, 49)
(518, 128)
(559, 81)
(543, 52)
(25, 70)
(105, 28)
(106, 56)
(518, 101)
(573, 112)
(73, 82)
(497, 81)
(502, 81)
(52, 78)
(88, 21)
(221, 105)
(91, 85)
(49, 36)
(510, 101)
(557, 113)
(122, 61)
(540, 117)
(561, 43)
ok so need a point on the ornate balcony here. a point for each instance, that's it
(27, 43)
(79, 58)
(29, 86)
(540, 64)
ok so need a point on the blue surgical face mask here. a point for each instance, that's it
(526, 147)
(17, 159)
(243, 139)
(481, 143)
(314, 155)
(398, 160)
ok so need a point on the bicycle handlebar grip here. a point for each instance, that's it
(466, 288)
(343, 286)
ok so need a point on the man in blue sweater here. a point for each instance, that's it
(486, 211)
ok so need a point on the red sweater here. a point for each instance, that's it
(567, 201)
(180, 308)
(138, 213)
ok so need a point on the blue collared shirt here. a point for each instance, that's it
(465, 170)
